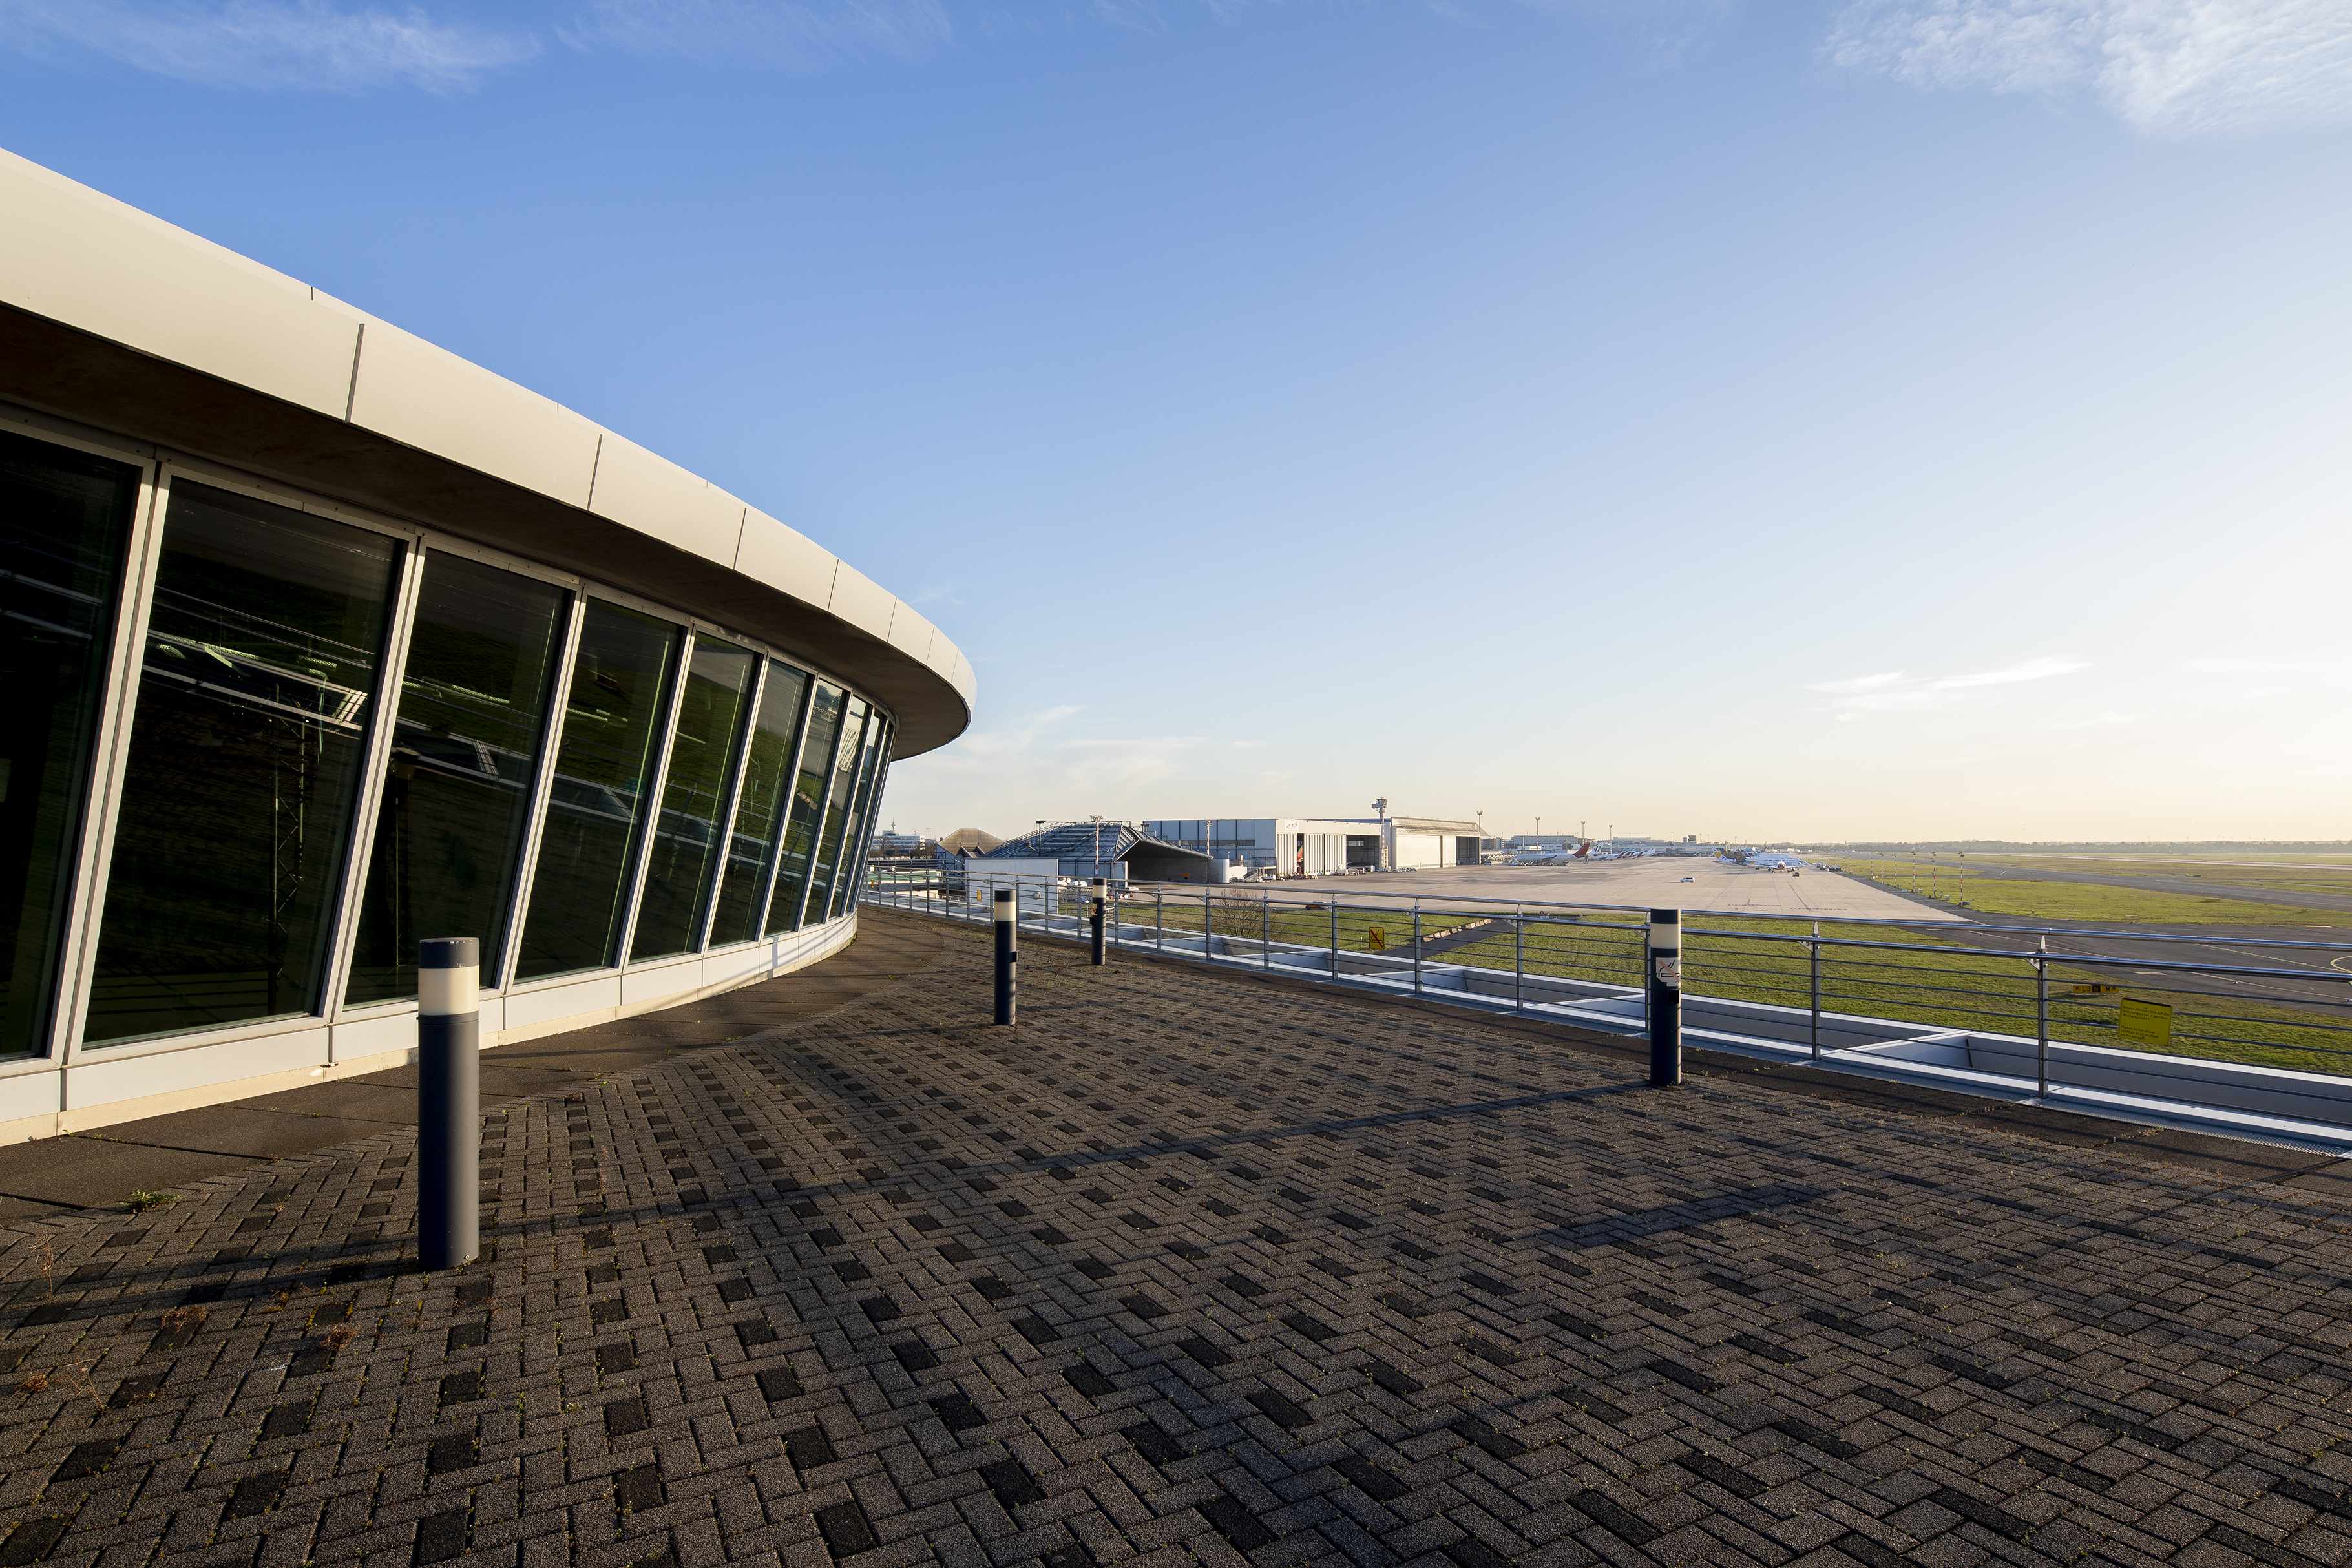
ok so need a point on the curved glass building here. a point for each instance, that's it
(316, 640)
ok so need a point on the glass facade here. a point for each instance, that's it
(306, 742)
(713, 713)
(613, 723)
(808, 799)
(838, 796)
(862, 832)
(852, 834)
(64, 520)
(259, 687)
(751, 847)
(464, 763)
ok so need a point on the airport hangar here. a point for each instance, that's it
(322, 639)
(1296, 846)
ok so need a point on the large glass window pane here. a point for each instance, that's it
(853, 841)
(808, 799)
(612, 726)
(465, 752)
(751, 848)
(862, 831)
(711, 717)
(245, 747)
(836, 807)
(64, 516)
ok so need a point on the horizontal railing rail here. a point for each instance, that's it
(2044, 1006)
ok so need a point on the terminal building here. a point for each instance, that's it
(320, 640)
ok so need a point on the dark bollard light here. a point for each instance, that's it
(1007, 954)
(448, 1101)
(1099, 922)
(1665, 997)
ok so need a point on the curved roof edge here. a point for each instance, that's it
(112, 316)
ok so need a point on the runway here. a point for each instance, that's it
(1643, 884)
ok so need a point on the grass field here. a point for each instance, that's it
(1935, 982)
(1942, 987)
(2252, 878)
(2012, 898)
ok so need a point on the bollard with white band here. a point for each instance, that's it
(1099, 922)
(1008, 953)
(448, 1101)
(1665, 995)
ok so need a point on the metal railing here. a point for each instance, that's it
(2252, 1028)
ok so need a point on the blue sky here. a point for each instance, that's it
(1806, 418)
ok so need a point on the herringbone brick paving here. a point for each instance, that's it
(1185, 1268)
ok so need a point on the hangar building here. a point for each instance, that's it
(1325, 846)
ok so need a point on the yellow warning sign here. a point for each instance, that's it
(2144, 1023)
(1378, 939)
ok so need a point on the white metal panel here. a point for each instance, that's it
(430, 399)
(75, 256)
(98, 1080)
(651, 982)
(542, 1004)
(785, 558)
(862, 601)
(374, 1035)
(31, 1095)
(642, 490)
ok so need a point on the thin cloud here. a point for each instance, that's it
(2012, 674)
(816, 34)
(2178, 67)
(295, 45)
(1858, 684)
(1895, 692)
(2245, 666)
(989, 750)
(787, 34)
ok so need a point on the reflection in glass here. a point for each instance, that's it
(64, 516)
(252, 719)
(711, 715)
(836, 806)
(612, 726)
(808, 799)
(465, 752)
(853, 843)
(751, 848)
(861, 833)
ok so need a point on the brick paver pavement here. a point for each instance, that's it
(1188, 1267)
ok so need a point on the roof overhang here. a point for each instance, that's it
(112, 319)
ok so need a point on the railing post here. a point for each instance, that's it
(448, 1101)
(1416, 946)
(1814, 953)
(1265, 930)
(1518, 959)
(1098, 923)
(1335, 936)
(1160, 918)
(2042, 1016)
(1008, 950)
(1665, 997)
(1208, 923)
